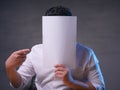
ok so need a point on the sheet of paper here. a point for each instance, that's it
(59, 40)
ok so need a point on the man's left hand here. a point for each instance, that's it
(64, 73)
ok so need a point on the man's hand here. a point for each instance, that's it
(16, 58)
(14, 61)
(62, 72)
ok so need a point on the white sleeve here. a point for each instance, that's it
(94, 73)
(26, 71)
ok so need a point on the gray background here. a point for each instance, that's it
(98, 28)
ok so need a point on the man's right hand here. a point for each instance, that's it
(16, 58)
(14, 61)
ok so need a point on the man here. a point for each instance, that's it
(86, 76)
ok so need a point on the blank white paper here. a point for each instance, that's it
(59, 40)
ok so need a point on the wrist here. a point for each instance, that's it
(10, 67)
(69, 82)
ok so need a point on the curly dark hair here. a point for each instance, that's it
(58, 11)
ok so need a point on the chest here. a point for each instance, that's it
(43, 73)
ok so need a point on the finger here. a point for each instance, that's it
(21, 55)
(59, 75)
(20, 60)
(17, 56)
(59, 69)
(60, 65)
(23, 51)
(59, 72)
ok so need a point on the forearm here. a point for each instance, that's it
(14, 61)
(64, 73)
(78, 85)
(14, 77)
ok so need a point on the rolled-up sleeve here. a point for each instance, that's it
(94, 73)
